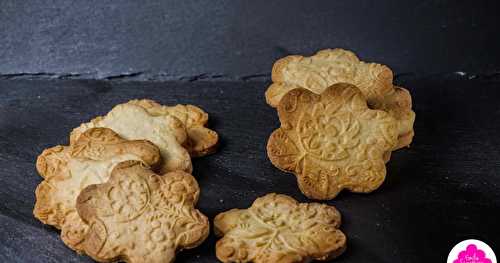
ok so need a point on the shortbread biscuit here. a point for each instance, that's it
(276, 228)
(133, 122)
(330, 66)
(332, 141)
(68, 169)
(139, 216)
(201, 140)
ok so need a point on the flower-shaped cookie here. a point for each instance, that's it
(332, 141)
(331, 66)
(201, 140)
(133, 122)
(69, 169)
(139, 216)
(276, 228)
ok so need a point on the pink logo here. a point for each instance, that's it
(472, 255)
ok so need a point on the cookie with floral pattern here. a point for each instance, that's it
(139, 216)
(276, 228)
(332, 141)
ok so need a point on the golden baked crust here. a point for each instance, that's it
(276, 228)
(135, 123)
(68, 169)
(331, 66)
(201, 140)
(332, 141)
(139, 216)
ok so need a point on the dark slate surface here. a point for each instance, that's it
(443, 189)
(240, 39)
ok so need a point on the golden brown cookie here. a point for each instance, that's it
(133, 122)
(201, 140)
(332, 141)
(276, 228)
(330, 66)
(68, 169)
(139, 216)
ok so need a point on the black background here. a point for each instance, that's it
(63, 62)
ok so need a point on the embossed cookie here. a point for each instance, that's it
(138, 216)
(68, 169)
(276, 228)
(136, 123)
(332, 141)
(201, 140)
(330, 66)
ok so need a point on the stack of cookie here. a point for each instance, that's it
(340, 120)
(104, 190)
